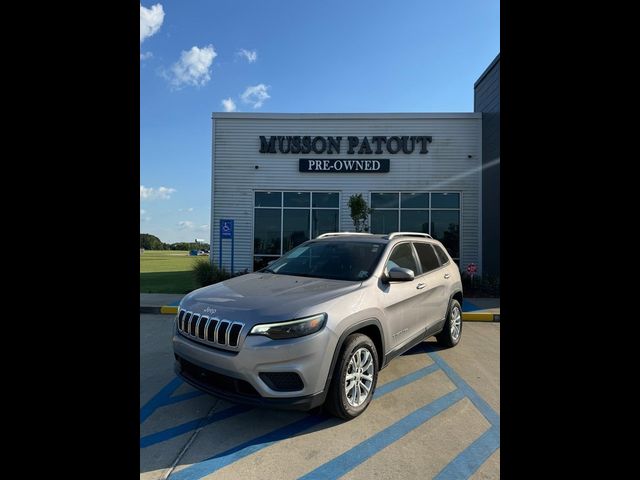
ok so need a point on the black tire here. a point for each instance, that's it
(337, 402)
(446, 338)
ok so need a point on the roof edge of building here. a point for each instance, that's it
(487, 70)
(333, 116)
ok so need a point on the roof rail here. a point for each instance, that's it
(408, 234)
(335, 234)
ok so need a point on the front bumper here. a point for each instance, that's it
(232, 390)
(309, 357)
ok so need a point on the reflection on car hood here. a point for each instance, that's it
(265, 297)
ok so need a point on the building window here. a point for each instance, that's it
(437, 214)
(283, 220)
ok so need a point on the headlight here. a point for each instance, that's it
(291, 329)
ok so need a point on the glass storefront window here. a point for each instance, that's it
(445, 226)
(266, 231)
(384, 200)
(283, 220)
(296, 199)
(268, 199)
(384, 221)
(435, 213)
(295, 228)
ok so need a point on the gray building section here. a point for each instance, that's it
(271, 201)
(487, 101)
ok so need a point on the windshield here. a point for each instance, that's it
(334, 260)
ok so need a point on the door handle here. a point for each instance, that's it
(447, 275)
(421, 286)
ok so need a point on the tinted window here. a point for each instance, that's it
(325, 200)
(266, 234)
(402, 256)
(445, 200)
(384, 200)
(415, 200)
(427, 257)
(384, 221)
(445, 226)
(441, 255)
(336, 260)
(295, 228)
(324, 221)
(268, 199)
(414, 221)
(296, 199)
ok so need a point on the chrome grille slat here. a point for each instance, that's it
(202, 324)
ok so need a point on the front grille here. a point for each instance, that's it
(216, 381)
(210, 331)
(282, 381)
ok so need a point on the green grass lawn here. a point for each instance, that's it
(167, 271)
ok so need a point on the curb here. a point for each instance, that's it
(477, 316)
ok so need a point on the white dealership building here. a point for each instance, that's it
(281, 179)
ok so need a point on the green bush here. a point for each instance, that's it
(208, 274)
(480, 286)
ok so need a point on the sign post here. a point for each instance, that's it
(226, 231)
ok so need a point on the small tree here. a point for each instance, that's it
(359, 212)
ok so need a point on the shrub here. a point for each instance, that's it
(208, 274)
(480, 286)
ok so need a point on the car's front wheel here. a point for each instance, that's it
(355, 377)
(452, 331)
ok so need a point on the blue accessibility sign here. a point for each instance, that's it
(226, 228)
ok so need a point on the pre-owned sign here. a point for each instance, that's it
(337, 165)
(362, 146)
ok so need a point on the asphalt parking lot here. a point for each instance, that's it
(435, 414)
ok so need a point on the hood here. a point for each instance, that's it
(265, 297)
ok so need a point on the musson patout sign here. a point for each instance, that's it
(374, 145)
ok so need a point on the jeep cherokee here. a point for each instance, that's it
(317, 325)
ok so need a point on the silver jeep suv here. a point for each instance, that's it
(317, 325)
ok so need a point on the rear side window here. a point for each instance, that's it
(427, 257)
(441, 255)
(402, 256)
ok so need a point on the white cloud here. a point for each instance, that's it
(143, 216)
(204, 227)
(146, 55)
(150, 20)
(190, 209)
(185, 224)
(193, 68)
(256, 95)
(229, 105)
(149, 193)
(250, 55)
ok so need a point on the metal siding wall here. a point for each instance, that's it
(487, 101)
(445, 168)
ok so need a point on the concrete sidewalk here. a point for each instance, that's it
(474, 309)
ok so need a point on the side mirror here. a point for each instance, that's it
(401, 274)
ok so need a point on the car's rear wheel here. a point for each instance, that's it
(354, 379)
(452, 331)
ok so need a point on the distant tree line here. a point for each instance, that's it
(151, 242)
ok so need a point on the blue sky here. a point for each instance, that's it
(299, 56)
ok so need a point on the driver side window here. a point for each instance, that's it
(402, 256)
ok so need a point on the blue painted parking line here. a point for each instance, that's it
(471, 458)
(350, 459)
(207, 467)
(402, 381)
(172, 432)
(159, 399)
(467, 306)
(183, 397)
(485, 409)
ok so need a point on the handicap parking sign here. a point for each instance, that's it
(226, 228)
